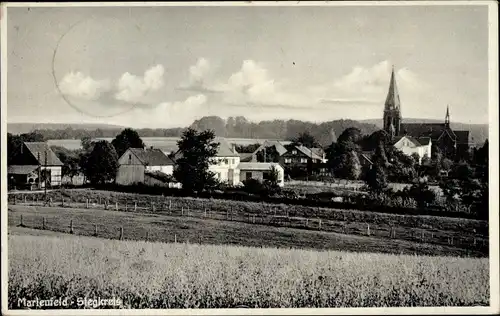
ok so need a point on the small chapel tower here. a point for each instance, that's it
(447, 117)
(392, 109)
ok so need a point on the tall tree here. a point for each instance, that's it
(128, 138)
(101, 164)
(376, 178)
(197, 150)
(306, 139)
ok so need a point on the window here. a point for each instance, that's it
(265, 175)
(303, 160)
(248, 175)
(129, 157)
(288, 160)
(294, 152)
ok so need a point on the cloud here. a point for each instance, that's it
(173, 114)
(252, 85)
(367, 85)
(198, 77)
(83, 87)
(131, 88)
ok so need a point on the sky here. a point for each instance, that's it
(163, 67)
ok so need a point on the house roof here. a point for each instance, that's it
(21, 169)
(151, 156)
(280, 147)
(258, 166)
(410, 138)
(318, 151)
(246, 157)
(424, 141)
(365, 157)
(38, 150)
(308, 152)
(225, 149)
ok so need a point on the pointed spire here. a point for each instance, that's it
(392, 100)
(447, 117)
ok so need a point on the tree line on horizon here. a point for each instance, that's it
(234, 127)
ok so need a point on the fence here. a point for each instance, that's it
(273, 217)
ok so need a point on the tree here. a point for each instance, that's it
(272, 183)
(376, 178)
(349, 166)
(128, 138)
(70, 160)
(416, 159)
(349, 135)
(101, 164)
(198, 149)
(422, 194)
(247, 148)
(268, 154)
(481, 154)
(306, 139)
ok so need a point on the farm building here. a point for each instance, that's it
(34, 165)
(139, 165)
(260, 171)
(224, 164)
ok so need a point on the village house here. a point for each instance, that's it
(33, 166)
(138, 165)
(410, 145)
(261, 171)
(276, 144)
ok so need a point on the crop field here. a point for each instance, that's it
(181, 275)
(169, 228)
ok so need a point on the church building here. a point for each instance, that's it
(452, 144)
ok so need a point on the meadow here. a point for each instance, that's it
(165, 227)
(181, 275)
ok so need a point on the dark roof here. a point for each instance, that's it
(152, 156)
(318, 151)
(280, 147)
(433, 130)
(38, 150)
(462, 137)
(424, 140)
(21, 169)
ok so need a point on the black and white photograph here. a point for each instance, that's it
(249, 158)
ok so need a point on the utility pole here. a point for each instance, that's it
(39, 171)
(45, 171)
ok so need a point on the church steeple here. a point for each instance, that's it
(392, 108)
(447, 117)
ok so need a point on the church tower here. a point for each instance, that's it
(447, 117)
(392, 109)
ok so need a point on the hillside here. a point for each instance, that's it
(19, 128)
(478, 132)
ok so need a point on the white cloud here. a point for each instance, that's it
(82, 86)
(131, 88)
(173, 114)
(368, 85)
(252, 85)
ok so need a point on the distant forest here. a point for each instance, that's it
(234, 127)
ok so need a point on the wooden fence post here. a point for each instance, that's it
(87, 204)
(451, 240)
(37, 200)
(368, 229)
(319, 226)
(423, 235)
(43, 223)
(147, 235)
(175, 238)
(71, 227)
(99, 200)
(182, 210)
(205, 212)
(62, 203)
(95, 230)
(116, 206)
(307, 221)
(22, 222)
(135, 206)
(126, 206)
(25, 199)
(253, 218)
(170, 204)
(153, 206)
(22, 225)
(121, 233)
(50, 202)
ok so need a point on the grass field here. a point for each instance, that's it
(166, 228)
(155, 275)
(464, 226)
